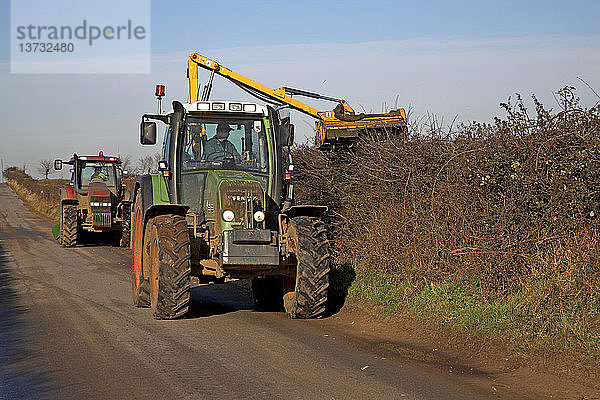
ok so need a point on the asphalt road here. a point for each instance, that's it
(68, 330)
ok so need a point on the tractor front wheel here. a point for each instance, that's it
(139, 283)
(309, 295)
(68, 225)
(168, 248)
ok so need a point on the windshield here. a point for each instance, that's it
(237, 144)
(97, 172)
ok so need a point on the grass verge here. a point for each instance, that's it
(523, 319)
(36, 202)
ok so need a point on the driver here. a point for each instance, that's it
(99, 175)
(219, 147)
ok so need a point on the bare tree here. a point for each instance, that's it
(45, 167)
(144, 165)
(126, 162)
(148, 164)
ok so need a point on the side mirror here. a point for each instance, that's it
(286, 134)
(58, 165)
(148, 132)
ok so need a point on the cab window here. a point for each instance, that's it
(97, 172)
(224, 144)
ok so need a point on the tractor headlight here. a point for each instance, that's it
(259, 216)
(228, 215)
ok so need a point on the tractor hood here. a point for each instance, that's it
(100, 193)
(239, 193)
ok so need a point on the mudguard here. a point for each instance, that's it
(290, 213)
(155, 197)
(67, 196)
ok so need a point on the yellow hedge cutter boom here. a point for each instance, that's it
(338, 126)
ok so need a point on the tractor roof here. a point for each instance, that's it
(226, 107)
(99, 157)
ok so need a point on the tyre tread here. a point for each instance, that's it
(69, 225)
(313, 255)
(174, 267)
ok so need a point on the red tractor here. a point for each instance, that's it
(96, 199)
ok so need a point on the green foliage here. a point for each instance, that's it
(524, 317)
(55, 230)
(462, 307)
(381, 290)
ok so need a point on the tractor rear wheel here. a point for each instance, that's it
(309, 295)
(68, 231)
(139, 284)
(169, 251)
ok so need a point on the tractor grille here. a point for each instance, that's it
(243, 198)
(101, 219)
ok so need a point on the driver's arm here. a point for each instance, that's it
(233, 151)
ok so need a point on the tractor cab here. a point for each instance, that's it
(224, 161)
(225, 167)
(95, 170)
(97, 178)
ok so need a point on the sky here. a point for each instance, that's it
(456, 60)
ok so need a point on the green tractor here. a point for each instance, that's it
(221, 208)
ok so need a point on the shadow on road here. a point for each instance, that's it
(217, 299)
(93, 239)
(221, 298)
(340, 280)
(19, 374)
